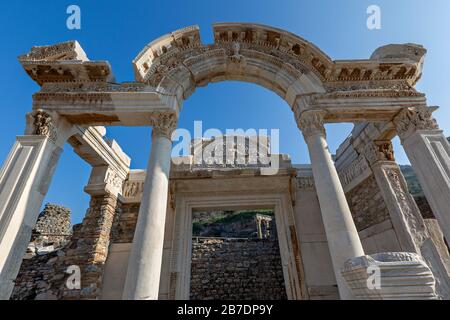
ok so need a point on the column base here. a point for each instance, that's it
(402, 276)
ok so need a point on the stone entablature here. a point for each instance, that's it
(170, 68)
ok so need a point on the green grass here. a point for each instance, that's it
(227, 217)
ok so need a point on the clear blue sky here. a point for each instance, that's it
(117, 30)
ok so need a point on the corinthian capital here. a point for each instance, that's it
(311, 123)
(412, 119)
(43, 125)
(376, 151)
(164, 124)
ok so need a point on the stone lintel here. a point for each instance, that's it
(358, 106)
(90, 145)
(106, 108)
(104, 180)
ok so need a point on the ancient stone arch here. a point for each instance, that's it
(78, 96)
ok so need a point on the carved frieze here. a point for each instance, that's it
(132, 189)
(113, 179)
(355, 170)
(406, 204)
(239, 41)
(70, 50)
(305, 183)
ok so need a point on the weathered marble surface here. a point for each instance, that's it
(403, 276)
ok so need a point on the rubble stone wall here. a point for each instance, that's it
(236, 269)
(367, 204)
(44, 276)
(53, 226)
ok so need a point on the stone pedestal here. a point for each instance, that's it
(24, 181)
(341, 233)
(390, 276)
(144, 267)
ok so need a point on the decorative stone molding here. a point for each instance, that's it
(311, 123)
(44, 126)
(132, 189)
(403, 275)
(378, 151)
(410, 120)
(105, 179)
(63, 62)
(305, 183)
(405, 202)
(169, 53)
(164, 124)
(356, 170)
(64, 51)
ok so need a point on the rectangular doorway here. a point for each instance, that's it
(235, 255)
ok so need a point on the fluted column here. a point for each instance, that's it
(144, 267)
(341, 233)
(24, 181)
(429, 153)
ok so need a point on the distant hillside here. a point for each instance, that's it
(411, 179)
(227, 224)
(416, 191)
(413, 183)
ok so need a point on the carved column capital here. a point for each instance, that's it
(375, 151)
(105, 179)
(410, 120)
(43, 125)
(164, 124)
(311, 123)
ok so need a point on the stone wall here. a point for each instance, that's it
(53, 226)
(124, 224)
(367, 204)
(44, 276)
(236, 269)
(40, 275)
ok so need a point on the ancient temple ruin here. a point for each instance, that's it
(334, 219)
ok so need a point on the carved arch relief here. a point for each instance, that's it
(178, 62)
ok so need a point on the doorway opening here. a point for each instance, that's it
(236, 256)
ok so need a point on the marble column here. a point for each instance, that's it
(24, 181)
(341, 233)
(410, 228)
(144, 267)
(429, 153)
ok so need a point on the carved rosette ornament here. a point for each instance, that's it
(379, 151)
(164, 125)
(43, 125)
(311, 123)
(410, 120)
